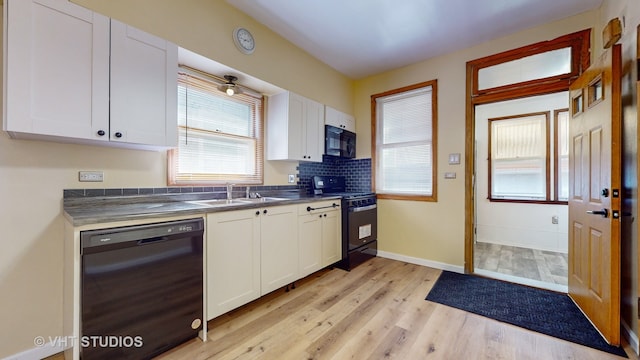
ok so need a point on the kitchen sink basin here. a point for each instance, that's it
(217, 202)
(260, 199)
(238, 201)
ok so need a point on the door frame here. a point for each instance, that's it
(580, 44)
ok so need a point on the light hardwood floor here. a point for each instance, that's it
(376, 311)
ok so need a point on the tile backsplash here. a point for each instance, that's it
(357, 172)
(238, 190)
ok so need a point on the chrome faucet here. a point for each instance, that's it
(229, 191)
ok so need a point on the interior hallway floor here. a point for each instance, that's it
(546, 269)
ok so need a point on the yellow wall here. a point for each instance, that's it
(435, 231)
(34, 173)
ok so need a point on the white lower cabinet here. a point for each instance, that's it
(249, 253)
(279, 247)
(319, 235)
(310, 242)
(253, 252)
(233, 260)
(331, 237)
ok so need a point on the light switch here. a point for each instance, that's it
(454, 159)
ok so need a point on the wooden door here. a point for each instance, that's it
(635, 150)
(594, 193)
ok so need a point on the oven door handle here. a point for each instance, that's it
(363, 208)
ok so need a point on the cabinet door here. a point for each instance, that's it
(56, 70)
(331, 237)
(310, 243)
(314, 130)
(339, 119)
(279, 247)
(144, 70)
(233, 260)
(297, 128)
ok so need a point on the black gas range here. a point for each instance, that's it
(359, 219)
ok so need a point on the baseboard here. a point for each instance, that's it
(523, 281)
(563, 250)
(423, 262)
(40, 352)
(631, 337)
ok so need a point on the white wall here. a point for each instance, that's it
(517, 224)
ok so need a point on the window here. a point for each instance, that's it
(562, 154)
(524, 165)
(544, 67)
(404, 128)
(219, 136)
(518, 160)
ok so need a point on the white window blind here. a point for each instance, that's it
(404, 143)
(562, 166)
(220, 136)
(519, 157)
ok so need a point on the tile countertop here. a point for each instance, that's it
(96, 210)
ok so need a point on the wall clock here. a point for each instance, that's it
(244, 40)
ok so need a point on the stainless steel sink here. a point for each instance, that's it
(217, 202)
(238, 201)
(260, 199)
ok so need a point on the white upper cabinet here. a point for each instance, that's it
(144, 87)
(59, 84)
(339, 119)
(295, 128)
(56, 81)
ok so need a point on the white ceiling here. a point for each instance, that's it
(364, 37)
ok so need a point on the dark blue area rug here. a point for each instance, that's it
(543, 311)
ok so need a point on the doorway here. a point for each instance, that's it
(520, 190)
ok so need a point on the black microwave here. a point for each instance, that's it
(339, 142)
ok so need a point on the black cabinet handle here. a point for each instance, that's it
(101, 132)
(265, 211)
(334, 205)
(258, 212)
(118, 135)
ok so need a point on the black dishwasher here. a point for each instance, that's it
(141, 289)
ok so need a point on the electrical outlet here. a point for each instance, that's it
(554, 219)
(91, 176)
(292, 178)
